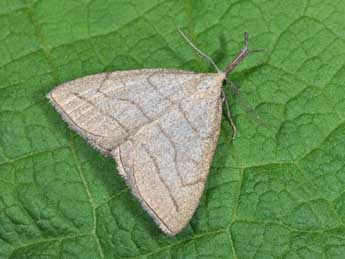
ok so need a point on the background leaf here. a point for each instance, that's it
(274, 192)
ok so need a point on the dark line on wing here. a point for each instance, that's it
(102, 112)
(175, 152)
(139, 193)
(184, 114)
(175, 161)
(106, 77)
(137, 106)
(155, 163)
(71, 121)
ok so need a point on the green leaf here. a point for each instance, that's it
(274, 192)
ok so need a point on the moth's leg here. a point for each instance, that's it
(245, 106)
(228, 114)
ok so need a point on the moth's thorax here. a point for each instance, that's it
(210, 81)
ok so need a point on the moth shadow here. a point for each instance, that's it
(221, 54)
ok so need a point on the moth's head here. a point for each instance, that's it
(224, 82)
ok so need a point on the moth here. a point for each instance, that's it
(160, 125)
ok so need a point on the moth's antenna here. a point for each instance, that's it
(199, 51)
(241, 55)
